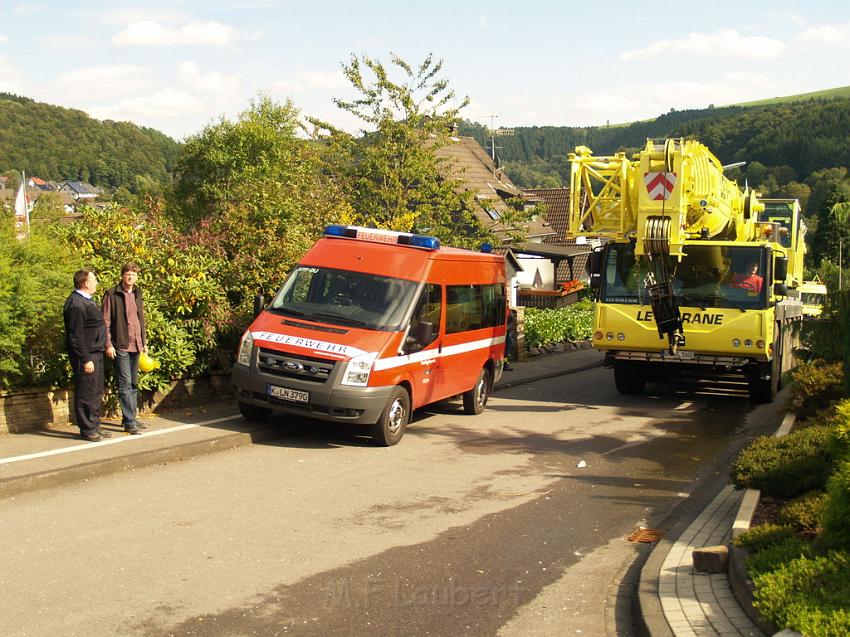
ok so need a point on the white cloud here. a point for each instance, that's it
(305, 81)
(838, 35)
(167, 103)
(322, 79)
(3, 38)
(151, 33)
(727, 42)
(484, 23)
(66, 41)
(189, 74)
(108, 79)
(27, 9)
(128, 16)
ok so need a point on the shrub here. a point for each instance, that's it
(35, 278)
(808, 595)
(186, 307)
(777, 555)
(786, 467)
(816, 385)
(836, 512)
(803, 513)
(573, 323)
(763, 536)
(842, 423)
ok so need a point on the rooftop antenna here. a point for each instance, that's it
(494, 132)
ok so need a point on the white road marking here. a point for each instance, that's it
(109, 441)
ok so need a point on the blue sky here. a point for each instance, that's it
(178, 66)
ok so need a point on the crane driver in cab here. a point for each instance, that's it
(749, 279)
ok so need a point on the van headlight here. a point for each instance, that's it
(245, 347)
(358, 369)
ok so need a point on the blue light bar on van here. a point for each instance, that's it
(384, 236)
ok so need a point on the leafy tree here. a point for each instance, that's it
(829, 187)
(391, 171)
(255, 191)
(48, 207)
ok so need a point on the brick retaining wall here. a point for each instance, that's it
(36, 408)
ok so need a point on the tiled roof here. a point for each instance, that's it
(557, 202)
(470, 164)
(80, 187)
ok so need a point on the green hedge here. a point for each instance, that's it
(817, 384)
(789, 466)
(809, 595)
(547, 326)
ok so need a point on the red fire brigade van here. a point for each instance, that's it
(372, 324)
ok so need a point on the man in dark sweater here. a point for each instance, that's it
(85, 338)
(124, 315)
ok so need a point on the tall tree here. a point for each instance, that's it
(390, 169)
(829, 187)
(256, 190)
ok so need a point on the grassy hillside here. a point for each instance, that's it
(842, 92)
(57, 143)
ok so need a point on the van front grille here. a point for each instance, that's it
(314, 370)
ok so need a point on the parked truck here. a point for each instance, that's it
(693, 272)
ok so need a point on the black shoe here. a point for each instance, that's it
(133, 431)
(507, 367)
(97, 436)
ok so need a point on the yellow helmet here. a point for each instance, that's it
(146, 363)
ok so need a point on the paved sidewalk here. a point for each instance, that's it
(675, 600)
(696, 603)
(55, 455)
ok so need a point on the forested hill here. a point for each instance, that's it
(800, 137)
(57, 143)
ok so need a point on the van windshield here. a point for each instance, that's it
(345, 298)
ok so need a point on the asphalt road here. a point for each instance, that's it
(511, 523)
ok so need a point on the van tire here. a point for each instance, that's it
(393, 421)
(475, 400)
(254, 413)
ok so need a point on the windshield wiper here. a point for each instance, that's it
(288, 312)
(339, 319)
(719, 297)
(689, 300)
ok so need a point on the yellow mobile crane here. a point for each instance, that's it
(692, 272)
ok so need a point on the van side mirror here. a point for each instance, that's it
(594, 267)
(780, 289)
(259, 302)
(418, 337)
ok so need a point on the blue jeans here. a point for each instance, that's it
(127, 371)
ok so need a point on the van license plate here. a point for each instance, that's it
(284, 393)
(684, 355)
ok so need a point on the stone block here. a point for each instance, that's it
(711, 559)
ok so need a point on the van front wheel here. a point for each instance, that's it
(475, 399)
(393, 421)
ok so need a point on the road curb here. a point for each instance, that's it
(16, 485)
(650, 619)
(739, 581)
(534, 379)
